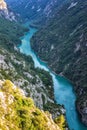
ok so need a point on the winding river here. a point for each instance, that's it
(63, 90)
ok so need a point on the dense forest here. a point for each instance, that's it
(62, 43)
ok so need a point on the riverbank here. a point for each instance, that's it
(63, 91)
(47, 93)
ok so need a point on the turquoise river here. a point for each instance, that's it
(63, 90)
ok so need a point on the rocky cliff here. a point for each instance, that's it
(3, 5)
(19, 68)
(19, 112)
(5, 12)
(38, 10)
(64, 40)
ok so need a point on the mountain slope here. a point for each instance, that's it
(19, 112)
(36, 83)
(62, 43)
(20, 69)
(34, 9)
(5, 12)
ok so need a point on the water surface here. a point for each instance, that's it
(63, 90)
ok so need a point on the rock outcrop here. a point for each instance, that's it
(19, 112)
(5, 12)
(38, 10)
(64, 40)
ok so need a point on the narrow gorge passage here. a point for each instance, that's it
(63, 90)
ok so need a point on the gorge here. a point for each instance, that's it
(49, 62)
(63, 90)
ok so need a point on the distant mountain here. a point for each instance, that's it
(5, 12)
(62, 43)
(34, 9)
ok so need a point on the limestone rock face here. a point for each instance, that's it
(19, 112)
(34, 9)
(3, 5)
(4, 11)
(67, 50)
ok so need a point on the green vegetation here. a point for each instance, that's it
(63, 40)
(20, 69)
(61, 121)
(19, 112)
(62, 43)
(44, 75)
(10, 33)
